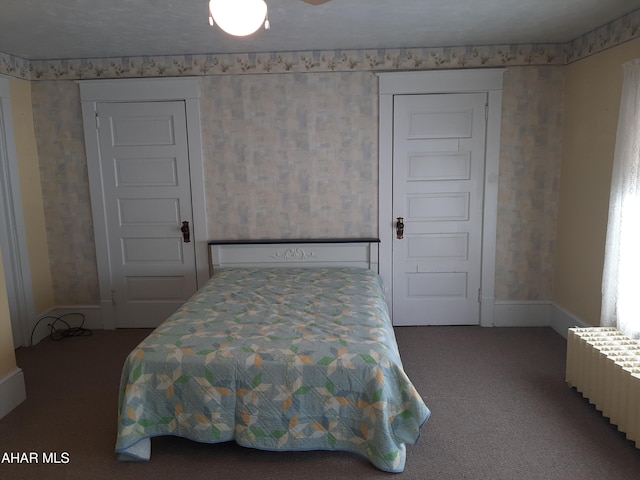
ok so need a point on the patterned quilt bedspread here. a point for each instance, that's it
(275, 359)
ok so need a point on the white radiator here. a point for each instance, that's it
(604, 365)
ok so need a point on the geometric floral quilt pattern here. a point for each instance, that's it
(276, 359)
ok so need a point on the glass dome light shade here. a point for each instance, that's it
(238, 17)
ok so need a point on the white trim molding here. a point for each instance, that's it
(562, 320)
(86, 316)
(139, 89)
(536, 314)
(13, 237)
(142, 90)
(522, 314)
(12, 391)
(487, 81)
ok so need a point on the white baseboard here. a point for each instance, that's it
(522, 314)
(562, 320)
(535, 314)
(12, 391)
(73, 315)
(505, 314)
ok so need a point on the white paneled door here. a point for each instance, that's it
(438, 181)
(144, 158)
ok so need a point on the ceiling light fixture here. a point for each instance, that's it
(238, 17)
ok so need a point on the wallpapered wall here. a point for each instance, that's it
(291, 155)
(65, 190)
(530, 158)
(295, 154)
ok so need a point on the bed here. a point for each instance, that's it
(288, 346)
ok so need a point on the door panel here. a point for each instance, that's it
(143, 130)
(440, 124)
(159, 251)
(438, 178)
(439, 166)
(147, 193)
(145, 172)
(148, 211)
(443, 246)
(438, 206)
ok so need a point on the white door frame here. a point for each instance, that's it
(442, 81)
(13, 237)
(187, 89)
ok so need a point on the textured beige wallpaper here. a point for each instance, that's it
(65, 191)
(530, 155)
(291, 155)
(295, 155)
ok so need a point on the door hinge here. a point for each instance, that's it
(97, 121)
(486, 111)
(479, 295)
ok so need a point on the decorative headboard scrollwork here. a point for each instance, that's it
(294, 253)
(356, 252)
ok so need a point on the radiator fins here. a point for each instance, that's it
(604, 365)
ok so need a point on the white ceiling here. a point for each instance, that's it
(66, 29)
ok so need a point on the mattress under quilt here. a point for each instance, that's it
(276, 359)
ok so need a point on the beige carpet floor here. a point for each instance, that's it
(500, 410)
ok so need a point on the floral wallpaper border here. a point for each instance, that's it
(619, 31)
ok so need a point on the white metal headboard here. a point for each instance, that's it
(359, 252)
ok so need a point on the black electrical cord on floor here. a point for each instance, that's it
(58, 332)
